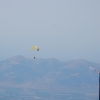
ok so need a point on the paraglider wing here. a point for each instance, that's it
(35, 47)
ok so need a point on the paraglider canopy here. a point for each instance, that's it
(35, 47)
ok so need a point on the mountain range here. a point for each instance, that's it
(50, 74)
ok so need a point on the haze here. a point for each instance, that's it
(63, 29)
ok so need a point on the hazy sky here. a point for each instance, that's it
(63, 29)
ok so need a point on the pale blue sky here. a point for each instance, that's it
(63, 29)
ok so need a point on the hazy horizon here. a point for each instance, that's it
(65, 30)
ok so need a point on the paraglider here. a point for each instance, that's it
(35, 47)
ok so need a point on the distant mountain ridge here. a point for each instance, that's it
(48, 74)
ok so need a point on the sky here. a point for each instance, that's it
(63, 29)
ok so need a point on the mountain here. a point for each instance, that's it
(49, 74)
